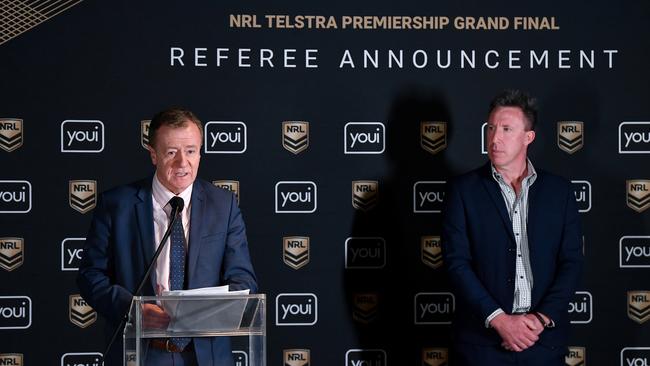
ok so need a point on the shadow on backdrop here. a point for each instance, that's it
(381, 300)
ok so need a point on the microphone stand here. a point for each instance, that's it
(175, 212)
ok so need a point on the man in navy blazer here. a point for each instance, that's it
(512, 244)
(128, 223)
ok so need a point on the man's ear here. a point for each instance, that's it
(530, 137)
(152, 155)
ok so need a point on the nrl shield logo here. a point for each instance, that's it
(295, 136)
(431, 251)
(296, 357)
(575, 357)
(365, 194)
(11, 359)
(81, 314)
(11, 134)
(638, 194)
(638, 306)
(130, 358)
(570, 136)
(295, 251)
(229, 185)
(435, 356)
(144, 132)
(365, 307)
(433, 136)
(83, 195)
(11, 253)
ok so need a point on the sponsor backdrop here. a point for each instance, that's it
(338, 126)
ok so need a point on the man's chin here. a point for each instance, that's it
(179, 185)
(497, 162)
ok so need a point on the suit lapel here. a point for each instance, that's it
(534, 211)
(144, 214)
(492, 187)
(197, 215)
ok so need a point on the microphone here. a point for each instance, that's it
(177, 205)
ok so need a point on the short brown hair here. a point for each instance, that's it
(173, 117)
(519, 99)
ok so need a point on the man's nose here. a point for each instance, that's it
(181, 159)
(494, 135)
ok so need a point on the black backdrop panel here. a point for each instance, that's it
(372, 279)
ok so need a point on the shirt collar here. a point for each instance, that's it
(530, 177)
(162, 195)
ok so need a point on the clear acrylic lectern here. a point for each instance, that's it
(241, 317)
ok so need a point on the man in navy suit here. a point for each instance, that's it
(512, 244)
(128, 224)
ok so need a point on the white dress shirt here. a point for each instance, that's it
(161, 212)
(518, 211)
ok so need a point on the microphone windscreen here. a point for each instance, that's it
(177, 203)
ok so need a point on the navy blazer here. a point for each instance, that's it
(479, 251)
(120, 245)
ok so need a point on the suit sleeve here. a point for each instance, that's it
(237, 270)
(569, 268)
(95, 272)
(458, 258)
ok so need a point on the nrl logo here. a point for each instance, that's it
(295, 251)
(431, 251)
(11, 253)
(11, 359)
(295, 136)
(11, 134)
(365, 194)
(296, 357)
(638, 306)
(365, 307)
(144, 132)
(570, 136)
(130, 358)
(638, 194)
(81, 314)
(435, 356)
(83, 195)
(433, 136)
(229, 185)
(575, 357)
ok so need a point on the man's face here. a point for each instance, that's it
(507, 137)
(177, 155)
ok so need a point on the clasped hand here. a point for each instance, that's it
(518, 332)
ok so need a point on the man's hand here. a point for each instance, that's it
(518, 332)
(534, 319)
(154, 317)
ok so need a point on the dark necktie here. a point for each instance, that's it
(177, 266)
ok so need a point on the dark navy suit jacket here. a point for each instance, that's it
(479, 251)
(120, 245)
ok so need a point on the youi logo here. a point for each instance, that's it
(296, 309)
(82, 136)
(225, 137)
(295, 197)
(364, 138)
